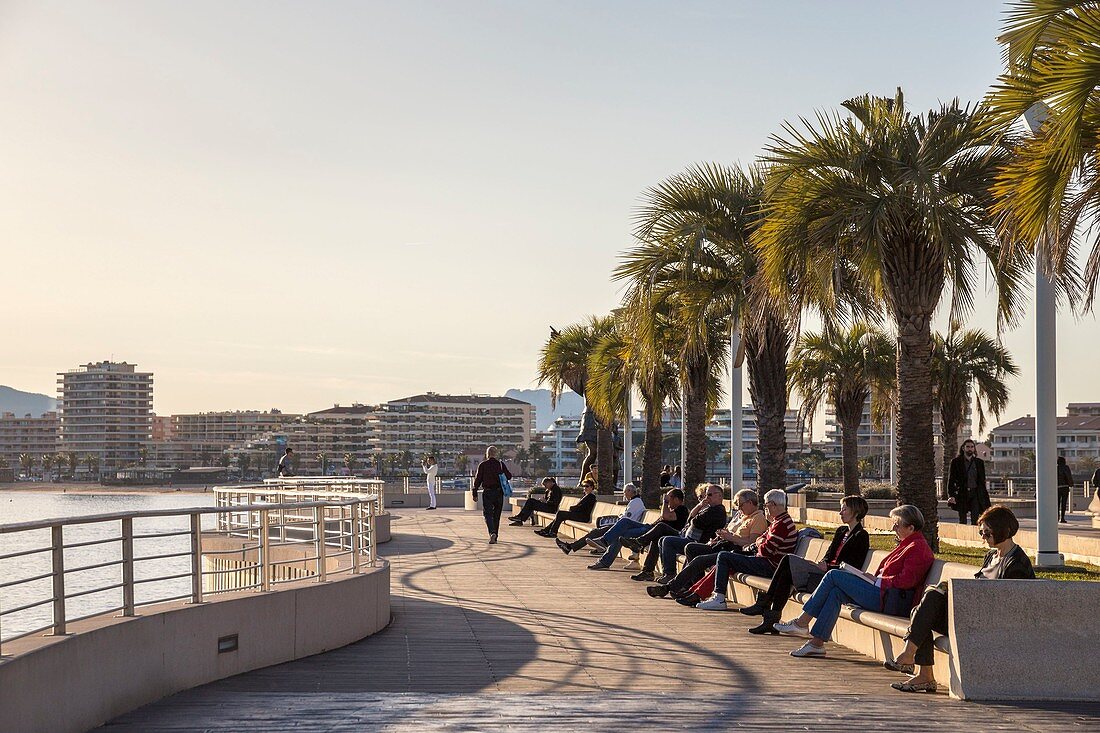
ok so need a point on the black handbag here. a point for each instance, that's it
(898, 602)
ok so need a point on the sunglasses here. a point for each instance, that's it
(985, 533)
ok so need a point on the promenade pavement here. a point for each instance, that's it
(518, 636)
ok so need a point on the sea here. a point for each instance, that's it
(20, 506)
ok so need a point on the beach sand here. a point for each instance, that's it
(70, 487)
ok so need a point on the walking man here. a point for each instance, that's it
(1065, 484)
(285, 468)
(487, 478)
(431, 470)
(966, 490)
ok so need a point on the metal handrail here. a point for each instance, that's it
(310, 521)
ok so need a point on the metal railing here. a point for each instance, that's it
(333, 484)
(330, 534)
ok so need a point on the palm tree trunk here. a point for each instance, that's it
(605, 459)
(849, 413)
(950, 450)
(694, 463)
(916, 454)
(766, 345)
(651, 456)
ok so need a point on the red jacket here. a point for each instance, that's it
(907, 565)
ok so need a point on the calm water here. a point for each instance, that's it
(28, 506)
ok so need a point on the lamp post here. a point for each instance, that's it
(628, 442)
(737, 430)
(1046, 398)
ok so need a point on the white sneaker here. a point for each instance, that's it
(807, 650)
(715, 603)
(792, 628)
(632, 565)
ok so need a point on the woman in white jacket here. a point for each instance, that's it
(431, 470)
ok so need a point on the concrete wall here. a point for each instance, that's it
(110, 665)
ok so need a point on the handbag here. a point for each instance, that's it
(898, 602)
(505, 484)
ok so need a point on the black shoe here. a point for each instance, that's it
(645, 576)
(689, 600)
(632, 543)
(429, 508)
(563, 546)
(515, 523)
(677, 593)
(763, 603)
(492, 539)
(657, 591)
(544, 533)
(515, 518)
(767, 626)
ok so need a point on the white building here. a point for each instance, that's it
(105, 409)
(33, 436)
(1078, 440)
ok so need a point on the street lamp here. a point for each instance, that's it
(1046, 398)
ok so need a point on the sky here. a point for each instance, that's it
(296, 204)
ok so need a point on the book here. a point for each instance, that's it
(857, 572)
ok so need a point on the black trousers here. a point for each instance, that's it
(593, 535)
(492, 502)
(929, 615)
(564, 515)
(650, 538)
(532, 505)
(1063, 501)
(779, 592)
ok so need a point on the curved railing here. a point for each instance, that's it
(333, 484)
(79, 567)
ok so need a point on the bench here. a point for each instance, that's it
(992, 651)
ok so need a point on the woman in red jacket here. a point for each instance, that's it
(896, 580)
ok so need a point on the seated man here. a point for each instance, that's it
(551, 498)
(634, 512)
(673, 515)
(779, 540)
(747, 525)
(708, 516)
(580, 512)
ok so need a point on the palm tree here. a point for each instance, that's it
(694, 247)
(91, 461)
(244, 462)
(844, 367)
(350, 463)
(902, 203)
(969, 368)
(1052, 184)
(563, 362)
(27, 462)
(322, 460)
(462, 462)
(72, 461)
(638, 352)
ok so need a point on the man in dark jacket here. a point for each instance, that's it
(1065, 485)
(487, 478)
(966, 490)
(551, 498)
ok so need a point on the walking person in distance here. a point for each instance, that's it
(285, 468)
(966, 491)
(487, 478)
(1065, 484)
(431, 470)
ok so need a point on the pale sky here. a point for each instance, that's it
(294, 204)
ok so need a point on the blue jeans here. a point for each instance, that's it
(734, 562)
(669, 548)
(839, 587)
(625, 527)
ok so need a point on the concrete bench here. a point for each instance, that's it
(1008, 639)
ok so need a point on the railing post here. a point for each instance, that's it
(319, 529)
(128, 566)
(58, 556)
(196, 558)
(265, 552)
(355, 529)
(371, 543)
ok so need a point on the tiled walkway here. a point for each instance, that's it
(518, 636)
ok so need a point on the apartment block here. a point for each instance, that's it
(34, 436)
(338, 431)
(106, 409)
(1078, 440)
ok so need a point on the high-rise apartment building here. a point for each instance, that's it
(33, 436)
(333, 433)
(106, 409)
(219, 430)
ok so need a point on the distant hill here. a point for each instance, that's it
(23, 403)
(570, 404)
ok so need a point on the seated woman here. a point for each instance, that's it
(849, 545)
(551, 498)
(897, 577)
(1006, 561)
(579, 512)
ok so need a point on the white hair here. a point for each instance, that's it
(631, 488)
(491, 452)
(776, 496)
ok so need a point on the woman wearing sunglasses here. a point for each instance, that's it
(1005, 561)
